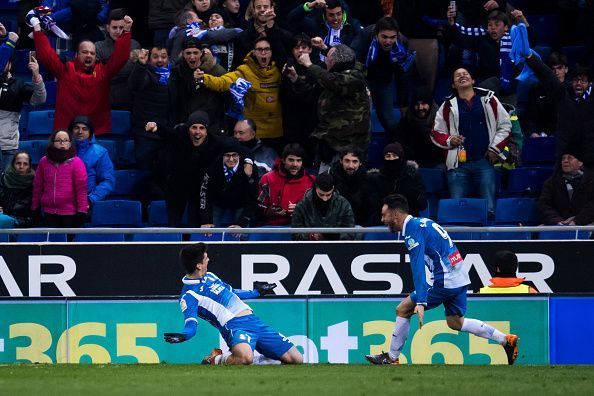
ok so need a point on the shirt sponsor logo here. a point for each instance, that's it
(455, 258)
(411, 244)
(183, 305)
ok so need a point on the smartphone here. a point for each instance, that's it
(32, 55)
(453, 5)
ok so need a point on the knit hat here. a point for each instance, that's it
(191, 42)
(198, 117)
(81, 119)
(394, 148)
(572, 150)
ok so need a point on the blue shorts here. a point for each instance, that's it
(251, 330)
(453, 300)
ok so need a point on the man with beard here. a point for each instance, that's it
(323, 207)
(186, 86)
(397, 177)
(13, 93)
(414, 130)
(351, 181)
(264, 157)
(283, 187)
(83, 84)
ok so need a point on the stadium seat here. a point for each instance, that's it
(515, 211)
(574, 54)
(156, 237)
(50, 88)
(270, 237)
(41, 123)
(539, 151)
(381, 236)
(506, 236)
(433, 180)
(110, 146)
(213, 237)
(120, 124)
(130, 183)
(99, 238)
(35, 148)
(544, 51)
(527, 181)
(41, 237)
(126, 157)
(546, 27)
(157, 214)
(462, 211)
(557, 235)
(116, 213)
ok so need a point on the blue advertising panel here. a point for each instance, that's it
(571, 328)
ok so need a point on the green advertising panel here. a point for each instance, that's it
(325, 330)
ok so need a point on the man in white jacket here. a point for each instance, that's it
(475, 128)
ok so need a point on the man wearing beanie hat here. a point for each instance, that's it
(567, 197)
(324, 207)
(414, 130)
(101, 177)
(190, 150)
(397, 177)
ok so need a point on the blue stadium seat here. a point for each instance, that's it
(111, 148)
(546, 27)
(544, 51)
(116, 213)
(381, 236)
(462, 211)
(41, 237)
(156, 237)
(527, 181)
(514, 211)
(212, 237)
(506, 236)
(99, 238)
(271, 237)
(433, 180)
(120, 124)
(4, 237)
(50, 88)
(126, 157)
(130, 183)
(464, 236)
(35, 148)
(157, 214)
(557, 235)
(41, 123)
(574, 54)
(539, 151)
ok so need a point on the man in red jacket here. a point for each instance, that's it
(83, 84)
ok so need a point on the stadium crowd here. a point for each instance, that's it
(305, 114)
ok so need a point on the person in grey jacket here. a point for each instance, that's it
(322, 206)
(13, 93)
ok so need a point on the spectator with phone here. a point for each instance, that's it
(13, 93)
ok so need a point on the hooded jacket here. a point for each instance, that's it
(262, 102)
(447, 121)
(79, 91)
(277, 190)
(100, 172)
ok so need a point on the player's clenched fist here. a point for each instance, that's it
(264, 287)
(174, 338)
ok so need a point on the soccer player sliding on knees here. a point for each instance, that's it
(430, 246)
(206, 296)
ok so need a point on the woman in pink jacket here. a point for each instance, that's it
(60, 184)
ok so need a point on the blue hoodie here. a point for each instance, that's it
(99, 168)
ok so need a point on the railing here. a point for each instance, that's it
(282, 230)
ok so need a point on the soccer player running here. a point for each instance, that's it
(430, 246)
(206, 296)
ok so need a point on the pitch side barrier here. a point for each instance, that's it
(334, 329)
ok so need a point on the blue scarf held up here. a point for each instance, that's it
(398, 55)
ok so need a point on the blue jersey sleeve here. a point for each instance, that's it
(189, 307)
(243, 294)
(415, 244)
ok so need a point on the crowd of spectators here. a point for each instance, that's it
(251, 113)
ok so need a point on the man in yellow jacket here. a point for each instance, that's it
(506, 280)
(262, 100)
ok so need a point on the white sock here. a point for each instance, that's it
(222, 359)
(481, 329)
(401, 330)
(263, 360)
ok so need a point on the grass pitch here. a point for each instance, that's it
(307, 380)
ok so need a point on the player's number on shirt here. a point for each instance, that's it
(442, 232)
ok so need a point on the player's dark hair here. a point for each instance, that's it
(191, 255)
(386, 23)
(396, 202)
(498, 16)
(506, 264)
(116, 14)
(325, 182)
(354, 153)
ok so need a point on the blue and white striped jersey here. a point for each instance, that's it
(430, 246)
(211, 299)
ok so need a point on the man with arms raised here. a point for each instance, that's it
(430, 247)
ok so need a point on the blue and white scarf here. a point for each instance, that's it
(519, 50)
(238, 91)
(163, 73)
(398, 55)
(229, 172)
(586, 95)
(194, 30)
